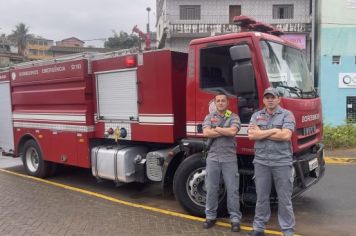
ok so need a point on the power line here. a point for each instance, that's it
(101, 39)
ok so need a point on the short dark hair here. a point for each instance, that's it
(221, 93)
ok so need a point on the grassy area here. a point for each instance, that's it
(342, 136)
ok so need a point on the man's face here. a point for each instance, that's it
(221, 103)
(270, 101)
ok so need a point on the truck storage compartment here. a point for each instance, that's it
(55, 98)
(147, 99)
(116, 162)
(6, 126)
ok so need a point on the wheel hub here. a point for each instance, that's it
(196, 187)
(32, 159)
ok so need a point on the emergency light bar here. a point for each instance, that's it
(248, 23)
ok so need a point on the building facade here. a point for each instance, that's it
(8, 52)
(180, 21)
(7, 45)
(58, 51)
(37, 48)
(72, 45)
(337, 60)
(70, 42)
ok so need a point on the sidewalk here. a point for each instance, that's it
(33, 208)
(341, 153)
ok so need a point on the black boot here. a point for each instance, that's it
(255, 233)
(209, 223)
(235, 227)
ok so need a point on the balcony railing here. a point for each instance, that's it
(215, 29)
(212, 25)
(224, 19)
(203, 28)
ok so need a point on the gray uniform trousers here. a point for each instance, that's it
(283, 181)
(230, 174)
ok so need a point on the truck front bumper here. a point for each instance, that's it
(309, 169)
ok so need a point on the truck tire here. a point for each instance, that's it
(189, 186)
(33, 161)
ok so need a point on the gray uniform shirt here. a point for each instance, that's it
(223, 149)
(270, 152)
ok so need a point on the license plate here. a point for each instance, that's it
(309, 130)
(313, 164)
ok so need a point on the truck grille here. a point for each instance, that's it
(306, 139)
(307, 134)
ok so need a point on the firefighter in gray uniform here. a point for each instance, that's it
(272, 128)
(222, 126)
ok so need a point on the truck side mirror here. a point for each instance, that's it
(242, 73)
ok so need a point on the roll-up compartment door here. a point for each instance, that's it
(6, 125)
(117, 95)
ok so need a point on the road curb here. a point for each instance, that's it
(340, 160)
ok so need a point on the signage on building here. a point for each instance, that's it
(291, 27)
(347, 80)
(204, 28)
(298, 39)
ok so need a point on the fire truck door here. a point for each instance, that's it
(6, 125)
(216, 74)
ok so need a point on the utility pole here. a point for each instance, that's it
(313, 41)
(148, 35)
(148, 19)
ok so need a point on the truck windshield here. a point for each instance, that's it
(287, 70)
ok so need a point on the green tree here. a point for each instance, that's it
(122, 41)
(21, 35)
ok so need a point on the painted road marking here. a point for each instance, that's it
(340, 160)
(131, 204)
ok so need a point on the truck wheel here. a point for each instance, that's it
(189, 186)
(33, 161)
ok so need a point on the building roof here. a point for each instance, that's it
(41, 38)
(72, 38)
(63, 49)
(11, 55)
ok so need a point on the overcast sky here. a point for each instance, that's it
(84, 19)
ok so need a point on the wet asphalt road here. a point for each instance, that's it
(328, 208)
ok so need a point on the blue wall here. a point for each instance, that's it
(336, 41)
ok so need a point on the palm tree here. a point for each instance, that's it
(21, 35)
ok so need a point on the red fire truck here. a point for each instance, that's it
(136, 116)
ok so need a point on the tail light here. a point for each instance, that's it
(130, 61)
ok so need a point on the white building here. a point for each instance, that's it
(184, 20)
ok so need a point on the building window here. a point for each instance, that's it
(33, 51)
(283, 11)
(336, 60)
(189, 12)
(234, 10)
